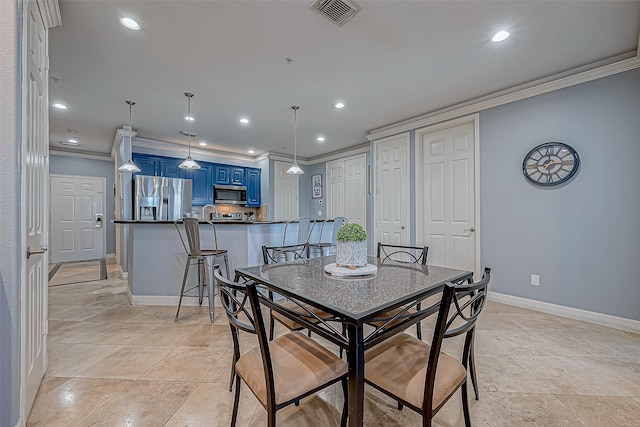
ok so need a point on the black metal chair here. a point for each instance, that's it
(278, 372)
(272, 255)
(200, 256)
(408, 254)
(419, 375)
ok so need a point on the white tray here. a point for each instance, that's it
(334, 270)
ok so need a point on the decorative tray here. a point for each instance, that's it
(334, 270)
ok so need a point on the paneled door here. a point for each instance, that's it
(355, 189)
(77, 218)
(35, 208)
(285, 197)
(335, 189)
(446, 202)
(392, 190)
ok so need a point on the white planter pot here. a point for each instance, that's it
(351, 254)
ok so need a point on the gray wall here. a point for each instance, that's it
(65, 165)
(582, 239)
(11, 255)
(313, 205)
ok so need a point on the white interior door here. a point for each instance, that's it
(35, 208)
(446, 199)
(77, 218)
(392, 190)
(285, 197)
(355, 184)
(335, 189)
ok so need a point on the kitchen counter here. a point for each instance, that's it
(215, 221)
(156, 257)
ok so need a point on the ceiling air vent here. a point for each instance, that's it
(185, 133)
(338, 11)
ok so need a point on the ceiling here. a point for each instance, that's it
(393, 61)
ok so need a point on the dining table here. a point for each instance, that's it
(355, 301)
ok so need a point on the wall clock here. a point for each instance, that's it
(551, 163)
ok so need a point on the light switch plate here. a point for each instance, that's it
(319, 213)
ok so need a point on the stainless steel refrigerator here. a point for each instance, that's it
(156, 198)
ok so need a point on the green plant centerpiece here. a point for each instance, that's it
(351, 246)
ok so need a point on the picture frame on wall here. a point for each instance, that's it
(316, 186)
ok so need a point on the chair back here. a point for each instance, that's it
(468, 300)
(401, 253)
(304, 230)
(192, 231)
(276, 254)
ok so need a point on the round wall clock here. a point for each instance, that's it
(551, 163)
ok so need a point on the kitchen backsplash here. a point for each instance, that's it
(259, 214)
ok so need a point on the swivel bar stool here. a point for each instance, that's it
(199, 257)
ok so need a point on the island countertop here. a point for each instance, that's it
(215, 221)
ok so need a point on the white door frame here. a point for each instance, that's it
(475, 120)
(374, 174)
(103, 182)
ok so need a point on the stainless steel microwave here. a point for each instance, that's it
(229, 194)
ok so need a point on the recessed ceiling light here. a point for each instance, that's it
(60, 106)
(500, 36)
(69, 143)
(251, 151)
(190, 118)
(320, 139)
(203, 144)
(339, 105)
(130, 23)
(72, 140)
(244, 121)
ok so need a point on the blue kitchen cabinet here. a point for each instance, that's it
(169, 168)
(237, 176)
(252, 180)
(201, 183)
(149, 165)
(229, 175)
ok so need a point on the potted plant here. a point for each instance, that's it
(351, 246)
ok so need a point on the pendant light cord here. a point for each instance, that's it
(295, 135)
(189, 119)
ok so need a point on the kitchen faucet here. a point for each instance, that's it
(210, 206)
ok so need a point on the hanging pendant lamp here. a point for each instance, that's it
(189, 163)
(129, 166)
(295, 169)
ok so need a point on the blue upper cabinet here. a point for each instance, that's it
(149, 165)
(253, 187)
(169, 168)
(229, 175)
(201, 186)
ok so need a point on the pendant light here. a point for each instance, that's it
(189, 163)
(129, 166)
(295, 169)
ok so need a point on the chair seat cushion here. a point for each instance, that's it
(292, 325)
(299, 365)
(399, 365)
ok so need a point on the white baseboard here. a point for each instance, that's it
(123, 273)
(167, 300)
(111, 256)
(621, 323)
(20, 422)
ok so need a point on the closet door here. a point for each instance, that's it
(355, 189)
(335, 195)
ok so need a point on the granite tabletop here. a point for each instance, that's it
(355, 298)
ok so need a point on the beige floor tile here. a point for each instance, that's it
(521, 343)
(573, 343)
(599, 411)
(168, 334)
(501, 373)
(53, 348)
(496, 322)
(78, 313)
(211, 335)
(622, 374)
(73, 360)
(210, 405)
(122, 333)
(76, 332)
(536, 321)
(128, 362)
(142, 403)
(540, 410)
(185, 364)
(221, 371)
(625, 345)
(73, 401)
(451, 414)
(561, 375)
(118, 314)
(496, 307)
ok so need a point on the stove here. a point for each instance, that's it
(235, 216)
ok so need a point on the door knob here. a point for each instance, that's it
(99, 220)
(472, 229)
(30, 252)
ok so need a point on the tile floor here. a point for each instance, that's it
(113, 364)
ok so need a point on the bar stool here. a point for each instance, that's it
(291, 245)
(325, 247)
(199, 257)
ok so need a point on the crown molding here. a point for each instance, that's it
(365, 147)
(81, 154)
(177, 149)
(50, 11)
(597, 70)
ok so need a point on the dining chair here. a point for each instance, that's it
(407, 254)
(325, 247)
(271, 255)
(278, 372)
(191, 228)
(419, 375)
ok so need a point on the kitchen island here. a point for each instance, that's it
(156, 257)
